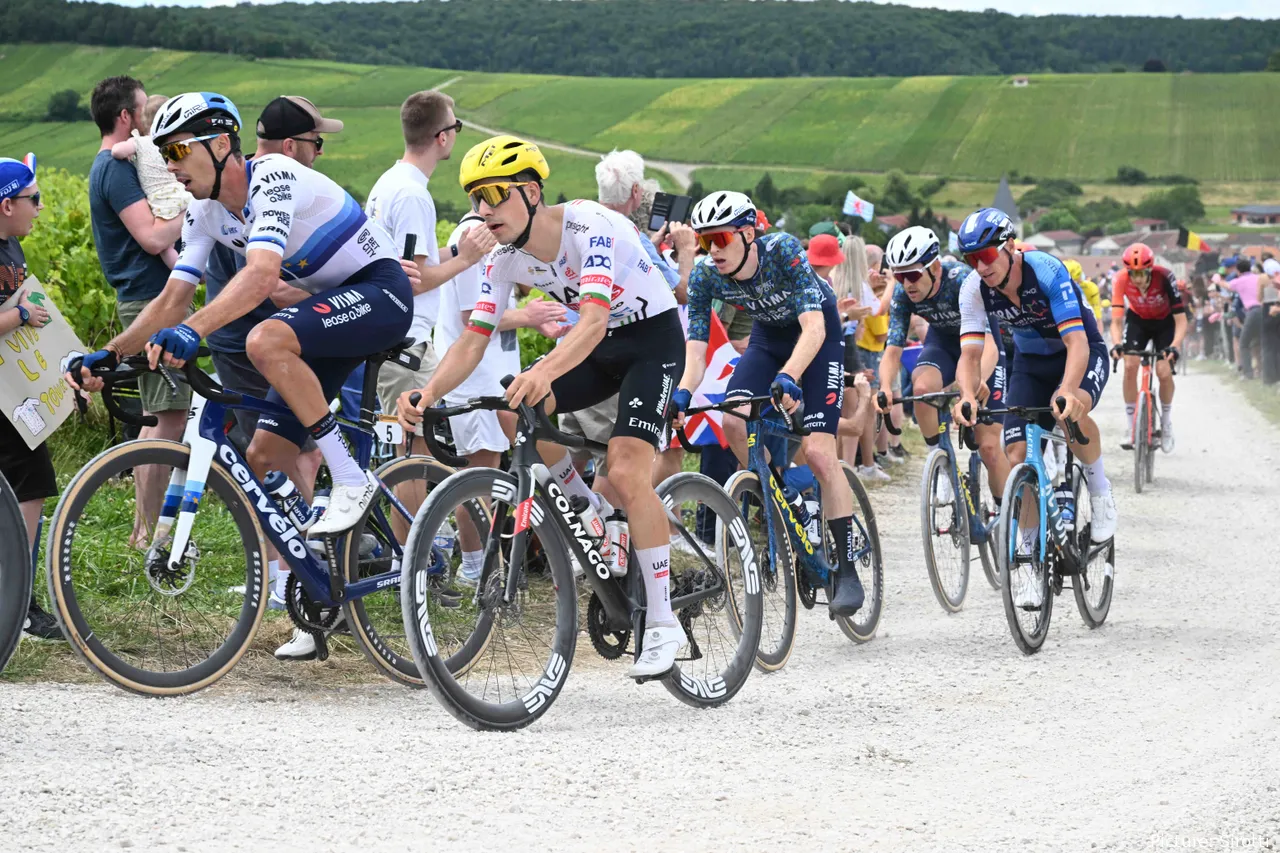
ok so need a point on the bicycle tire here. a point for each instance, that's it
(15, 572)
(1152, 447)
(1140, 444)
(1094, 572)
(950, 596)
(702, 691)
(439, 673)
(87, 641)
(379, 646)
(987, 551)
(862, 626)
(777, 575)
(1021, 479)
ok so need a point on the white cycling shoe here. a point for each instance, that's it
(873, 474)
(1166, 437)
(347, 506)
(658, 656)
(1106, 518)
(943, 494)
(303, 645)
(1028, 593)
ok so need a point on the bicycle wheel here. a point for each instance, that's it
(1140, 449)
(984, 502)
(779, 601)
(15, 572)
(861, 627)
(1154, 413)
(376, 620)
(724, 629)
(945, 530)
(493, 664)
(1028, 601)
(131, 619)
(1094, 585)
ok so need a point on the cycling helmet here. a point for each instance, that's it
(200, 113)
(914, 245)
(1139, 257)
(986, 227)
(502, 157)
(723, 209)
(1073, 267)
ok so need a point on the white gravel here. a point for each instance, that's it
(1159, 730)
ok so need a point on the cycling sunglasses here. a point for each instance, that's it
(987, 256)
(910, 276)
(719, 239)
(492, 194)
(172, 152)
(1139, 275)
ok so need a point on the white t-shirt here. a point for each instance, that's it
(501, 357)
(399, 201)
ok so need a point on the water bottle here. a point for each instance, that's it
(1066, 504)
(796, 501)
(595, 526)
(287, 496)
(619, 542)
(444, 538)
(811, 527)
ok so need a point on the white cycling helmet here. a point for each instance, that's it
(910, 246)
(723, 209)
(200, 113)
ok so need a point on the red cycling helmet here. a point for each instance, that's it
(1139, 257)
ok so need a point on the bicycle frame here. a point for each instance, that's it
(1144, 392)
(1051, 521)
(979, 532)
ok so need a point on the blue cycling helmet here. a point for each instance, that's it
(986, 227)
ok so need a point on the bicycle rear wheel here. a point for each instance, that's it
(1028, 601)
(1140, 448)
(494, 664)
(861, 627)
(131, 619)
(945, 531)
(777, 570)
(984, 502)
(1094, 585)
(15, 572)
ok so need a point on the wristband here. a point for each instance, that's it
(454, 249)
(23, 316)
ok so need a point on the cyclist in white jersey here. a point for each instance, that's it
(627, 341)
(349, 295)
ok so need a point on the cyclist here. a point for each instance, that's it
(293, 224)
(796, 343)
(1058, 352)
(627, 341)
(1090, 290)
(1149, 302)
(929, 287)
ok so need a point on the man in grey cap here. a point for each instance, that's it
(291, 125)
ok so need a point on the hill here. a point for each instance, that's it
(665, 38)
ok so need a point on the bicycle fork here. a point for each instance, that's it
(185, 489)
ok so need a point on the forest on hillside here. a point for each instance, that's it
(665, 38)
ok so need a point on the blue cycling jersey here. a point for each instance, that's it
(1049, 311)
(783, 288)
(941, 310)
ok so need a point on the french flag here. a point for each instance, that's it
(706, 427)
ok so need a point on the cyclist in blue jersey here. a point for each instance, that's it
(929, 287)
(795, 344)
(1058, 351)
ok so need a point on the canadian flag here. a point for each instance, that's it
(706, 427)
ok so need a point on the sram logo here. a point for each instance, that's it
(265, 506)
(585, 542)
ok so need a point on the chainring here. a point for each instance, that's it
(306, 614)
(610, 645)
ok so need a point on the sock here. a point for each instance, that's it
(574, 486)
(1129, 409)
(1096, 478)
(1027, 538)
(1166, 413)
(282, 578)
(932, 440)
(342, 468)
(273, 571)
(842, 532)
(656, 565)
(472, 563)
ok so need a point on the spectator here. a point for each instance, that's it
(131, 241)
(29, 472)
(166, 197)
(872, 333)
(1270, 294)
(1248, 288)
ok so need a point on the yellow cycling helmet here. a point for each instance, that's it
(1073, 267)
(501, 157)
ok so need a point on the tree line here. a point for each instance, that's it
(666, 38)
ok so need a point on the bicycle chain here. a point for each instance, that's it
(305, 613)
(610, 645)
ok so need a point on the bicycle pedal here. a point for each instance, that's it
(322, 646)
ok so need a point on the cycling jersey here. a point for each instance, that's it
(942, 310)
(319, 230)
(1051, 308)
(783, 287)
(600, 260)
(1162, 299)
(1093, 297)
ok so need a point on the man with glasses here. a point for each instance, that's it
(1148, 301)
(796, 345)
(929, 287)
(291, 125)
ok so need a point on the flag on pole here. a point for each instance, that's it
(1191, 240)
(707, 427)
(854, 206)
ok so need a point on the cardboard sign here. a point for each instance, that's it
(33, 394)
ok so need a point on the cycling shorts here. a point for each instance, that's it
(338, 329)
(1139, 332)
(1034, 379)
(822, 383)
(641, 362)
(942, 352)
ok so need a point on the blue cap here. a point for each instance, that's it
(16, 175)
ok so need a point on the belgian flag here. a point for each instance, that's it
(1191, 240)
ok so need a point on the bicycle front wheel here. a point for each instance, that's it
(777, 571)
(1141, 434)
(944, 523)
(861, 627)
(980, 491)
(1028, 601)
(139, 623)
(15, 572)
(1153, 412)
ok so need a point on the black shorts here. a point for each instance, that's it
(1138, 332)
(1034, 378)
(237, 373)
(641, 362)
(29, 472)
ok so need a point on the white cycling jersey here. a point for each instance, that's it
(601, 260)
(320, 232)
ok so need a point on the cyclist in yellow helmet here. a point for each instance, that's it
(1087, 287)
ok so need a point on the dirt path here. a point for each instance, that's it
(1159, 730)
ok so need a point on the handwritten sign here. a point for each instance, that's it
(33, 394)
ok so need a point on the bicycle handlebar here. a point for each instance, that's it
(1029, 412)
(730, 407)
(1118, 352)
(132, 366)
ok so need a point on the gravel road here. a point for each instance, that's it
(1159, 730)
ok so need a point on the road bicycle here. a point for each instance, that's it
(501, 663)
(798, 564)
(1046, 534)
(159, 619)
(1145, 428)
(956, 511)
(15, 572)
